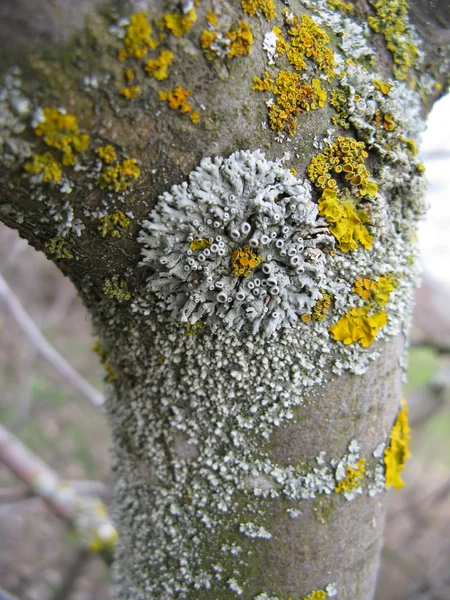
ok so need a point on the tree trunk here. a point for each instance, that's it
(252, 318)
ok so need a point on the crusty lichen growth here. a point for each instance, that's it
(60, 130)
(266, 7)
(180, 23)
(104, 356)
(391, 20)
(46, 167)
(354, 476)
(113, 224)
(244, 260)
(120, 176)
(138, 39)
(57, 248)
(359, 325)
(241, 40)
(117, 290)
(107, 154)
(375, 292)
(398, 452)
(236, 42)
(159, 67)
(320, 309)
(130, 92)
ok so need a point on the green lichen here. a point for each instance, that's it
(113, 224)
(56, 247)
(103, 354)
(117, 290)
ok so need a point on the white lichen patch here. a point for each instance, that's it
(240, 245)
(253, 531)
(14, 113)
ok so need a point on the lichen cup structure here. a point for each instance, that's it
(234, 189)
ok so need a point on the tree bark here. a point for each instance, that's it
(248, 446)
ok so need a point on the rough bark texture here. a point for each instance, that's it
(237, 450)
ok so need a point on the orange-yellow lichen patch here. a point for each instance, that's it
(382, 86)
(384, 120)
(315, 595)
(341, 6)
(345, 159)
(282, 45)
(207, 40)
(119, 177)
(266, 7)
(211, 17)
(244, 260)
(398, 451)
(113, 224)
(241, 40)
(263, 85)
(199, 244)
(60, 130)
(354, 476)
(292, 96)
(45, 165)
(358, 326)
(129, 74)
(375, 292)
(177, 99)
(130, 92)
(347, 224)
(180, 23)
(107, 154)
(193, 328)
(159, 67)
(138, 38)
(308, 40)
(195, 116)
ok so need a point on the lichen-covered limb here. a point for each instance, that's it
(235, 195)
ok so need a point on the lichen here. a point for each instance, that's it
(46, 167)
(354, 476)
(130, 92)
(266, 7)
(60, 130)
(159, 67)
(116, 290)
(177, 99)
(236, 42)
(113, 224)
(118, 177)
(244, 260)
(398, 452)
(138, 39)
(104, 356)
(391, 20)
(375, 292)
(180, 23)
(57, 248)
(359, 325)
(241, 40)
(107, 154)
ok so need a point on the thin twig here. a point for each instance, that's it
(86, 514)
(45, 349)
(5, 596)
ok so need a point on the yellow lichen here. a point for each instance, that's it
(315, 595)
(359, 326)
(346, 222)
(138, 38)
(382, 86)
(263, 85)
(57, 248)
(375, 292)
(129, 74)
(354, 476)
(391, 20)
(119, 177)
(179, 23)
(60, 130)
(282, 45)
(45, 165)
(194, 116)
(398, 451)
(192, 329)
(211, 17)
(339, 5)
(107, 153)
(116, 290)
(130, 92)
(207, 39)
(241, 40)
(113, 224)
(244, 260)
(199, 244)
(99, 349)
(159, 67)
(345, 159)
(266, 7)
(308, 40)
(177, 99)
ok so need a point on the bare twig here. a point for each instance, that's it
(87, 515)
(45, 349)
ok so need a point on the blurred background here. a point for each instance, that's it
(38, 555)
